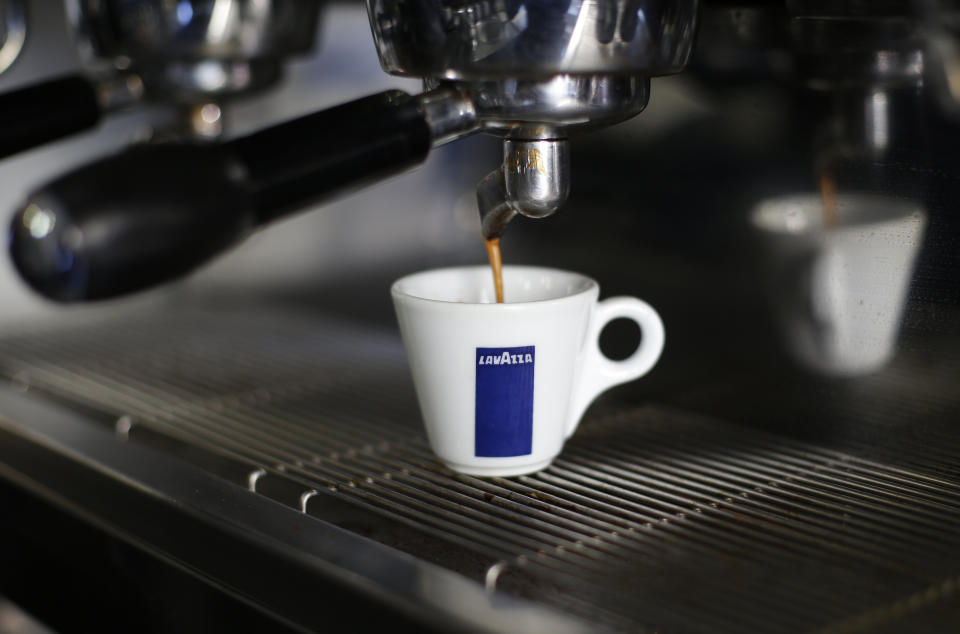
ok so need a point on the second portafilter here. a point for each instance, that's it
(192, 55)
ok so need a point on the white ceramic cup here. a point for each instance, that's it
(838, 293)
(502, 386)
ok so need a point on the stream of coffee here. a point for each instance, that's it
(496, 263)
(828, 192)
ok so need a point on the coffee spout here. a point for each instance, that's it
(495, 211)
(534, 181)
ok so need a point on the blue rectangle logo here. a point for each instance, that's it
(504, 404)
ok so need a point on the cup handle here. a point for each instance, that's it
(599, 373)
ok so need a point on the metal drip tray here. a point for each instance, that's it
(653, 517)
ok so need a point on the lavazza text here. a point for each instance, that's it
(505, 359)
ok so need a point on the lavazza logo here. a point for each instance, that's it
(505, 359)
(503, 419)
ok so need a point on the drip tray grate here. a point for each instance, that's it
(653, 517)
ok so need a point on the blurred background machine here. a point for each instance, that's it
(241, 448)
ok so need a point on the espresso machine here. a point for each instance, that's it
(533, 75)
(210, 455)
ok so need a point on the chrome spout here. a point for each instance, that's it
(533, 181)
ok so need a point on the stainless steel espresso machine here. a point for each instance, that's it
(207, 455)
(533, 75)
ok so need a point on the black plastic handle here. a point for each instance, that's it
(310, 158)
(152, 213)
(45, 112)
(138, 218)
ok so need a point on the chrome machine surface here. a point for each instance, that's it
(480, 40)
(196, 49)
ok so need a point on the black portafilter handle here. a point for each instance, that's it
(45, 112)
(154, 212)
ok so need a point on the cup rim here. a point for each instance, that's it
(898, 210)
(398, 294)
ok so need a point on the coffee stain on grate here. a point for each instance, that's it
(652, 518)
